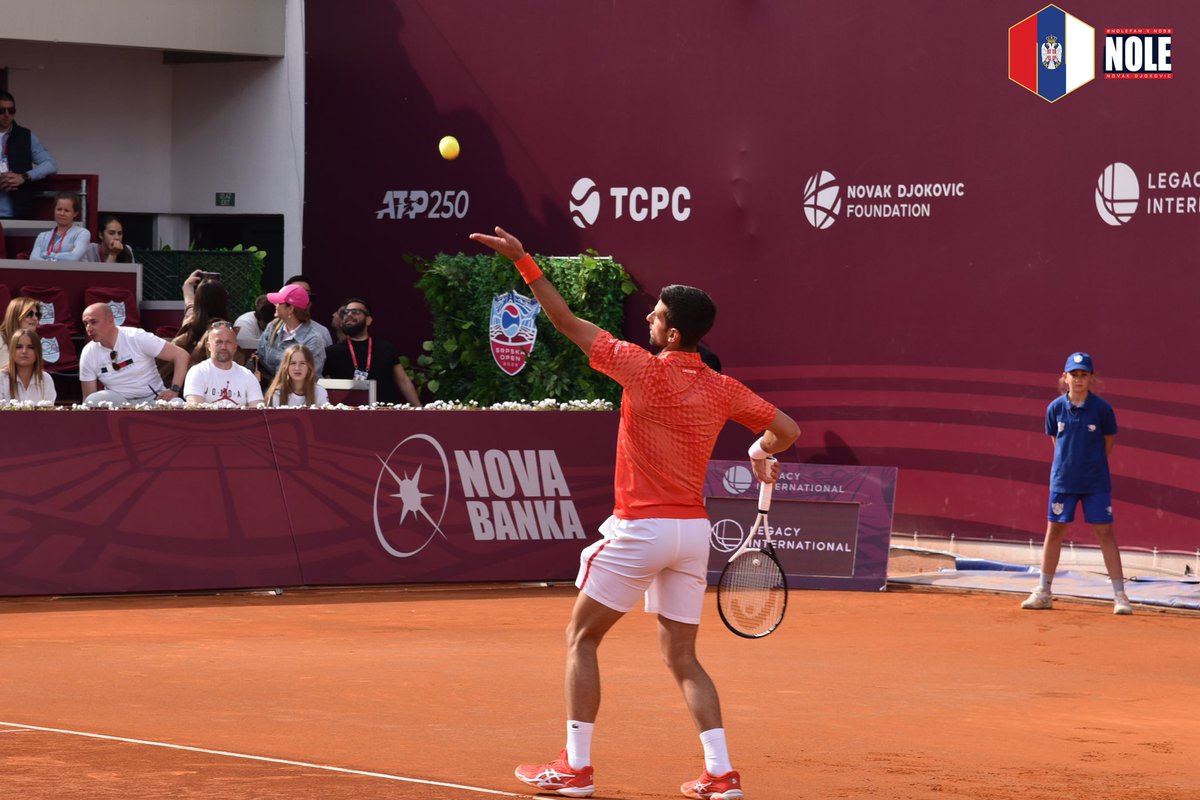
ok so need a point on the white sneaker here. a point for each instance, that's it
(1121, 605)
(1038, 600)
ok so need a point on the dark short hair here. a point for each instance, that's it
(360, 301)
(76, 201)
(297, 279)
(8, 97)
(689, 311)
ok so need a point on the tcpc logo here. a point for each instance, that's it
(638, 203)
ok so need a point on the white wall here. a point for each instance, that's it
(164, 139)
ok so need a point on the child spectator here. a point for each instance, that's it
(295, 383)
(110, 247)
(25, 377)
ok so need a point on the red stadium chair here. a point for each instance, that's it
(56, 310)
(58, 348)
(5, 297)
(122, 302)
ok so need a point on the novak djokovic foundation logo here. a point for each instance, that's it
(826, 200)
(1121, 194)
(1051, 53)
(508, 495)
(637, 203)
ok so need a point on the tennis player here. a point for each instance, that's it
(656, 542)
(1083, 427)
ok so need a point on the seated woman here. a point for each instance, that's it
(22, 314)
(25, 377)
(292, 325)
(111, 247)
(65, 241)
(295, 383)
(205, 301)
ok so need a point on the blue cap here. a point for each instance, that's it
(1079, 361)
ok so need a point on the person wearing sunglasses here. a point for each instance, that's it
(23, 160)
(22, 314)
(364, 357)
(117, 365)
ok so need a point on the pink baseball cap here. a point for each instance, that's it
(293, 294)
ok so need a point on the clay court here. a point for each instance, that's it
(438, 693)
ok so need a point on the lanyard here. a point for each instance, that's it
(354, 358)
(61, 240)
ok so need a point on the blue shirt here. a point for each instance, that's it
(1080, 462)
(43, 165)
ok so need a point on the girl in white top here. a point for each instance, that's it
(295, 383)
(25, 378)
(65, 241)
(111, 248)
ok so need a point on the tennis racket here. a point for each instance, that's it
(752, 592)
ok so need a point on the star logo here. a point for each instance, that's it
(403, 524)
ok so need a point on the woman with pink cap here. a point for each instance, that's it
(292, 325)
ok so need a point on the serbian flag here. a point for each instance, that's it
(1051, 53)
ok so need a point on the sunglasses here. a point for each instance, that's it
(349, 312)
(8, 109)
(34, 313)
(113, 357)
(216, 326)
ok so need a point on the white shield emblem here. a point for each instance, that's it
(1062, 426)
(1091, 428)
(50, 352)
(47, 314)
(118, 311)
(1052, 53)
(1057, 508)
(513, 330)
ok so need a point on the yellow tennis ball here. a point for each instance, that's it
(448, 147)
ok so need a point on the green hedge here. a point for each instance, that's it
(457, 364)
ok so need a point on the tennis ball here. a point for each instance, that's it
(448, 147)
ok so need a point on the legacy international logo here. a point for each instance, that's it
(824, 196)
(1051, 53)
(1120, 193)
(634, 203)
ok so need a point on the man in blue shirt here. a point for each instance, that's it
(23, 160)
(1083, 428)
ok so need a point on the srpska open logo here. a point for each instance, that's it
(513, 330)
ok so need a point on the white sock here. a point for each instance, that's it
(1045, 582)
(716, 752)
(1118, 587)
(579, 743)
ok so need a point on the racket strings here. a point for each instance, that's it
(752, 593)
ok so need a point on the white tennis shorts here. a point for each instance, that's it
(666, 560)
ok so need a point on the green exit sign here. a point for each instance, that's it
(226, 199)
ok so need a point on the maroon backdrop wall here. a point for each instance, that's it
(929, 339)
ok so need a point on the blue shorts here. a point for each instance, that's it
(1097, 508)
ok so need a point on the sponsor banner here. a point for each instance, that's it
(831, 525)
(1162, 191)
(1137, 53)
(131, 501)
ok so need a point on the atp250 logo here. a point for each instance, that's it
(638, 203)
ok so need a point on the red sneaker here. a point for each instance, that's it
(559, 776)
(714, 787)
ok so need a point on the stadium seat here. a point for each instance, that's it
(348, 392)
(58, 348)
(5, 297)
(56, 310)
(122, 302)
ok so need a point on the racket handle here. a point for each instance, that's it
(764, 497)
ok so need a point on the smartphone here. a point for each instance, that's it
(210, 276)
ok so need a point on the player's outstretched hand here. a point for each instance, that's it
(503, 243)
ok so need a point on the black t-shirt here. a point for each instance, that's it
(383, 358)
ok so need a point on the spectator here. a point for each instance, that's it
(23, 160)
(110, 246)
(204, 301)
(363, 357)
(296, 383)
(22, 314)
(25, 377)
(218, 380)
(117, 366)
(300, 280)
(292, 325)
(250, 325)
(66, 241)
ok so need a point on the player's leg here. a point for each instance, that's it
(590, 621)
(1097, 510)
(677, 642)
(1061, 511)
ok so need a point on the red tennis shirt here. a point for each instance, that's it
(672, 408)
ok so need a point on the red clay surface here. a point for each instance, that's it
(904, 694)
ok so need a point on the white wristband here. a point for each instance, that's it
(757, 452)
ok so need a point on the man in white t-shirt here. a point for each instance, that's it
(117, 365)
(219, 381)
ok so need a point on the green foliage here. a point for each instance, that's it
(457, 363)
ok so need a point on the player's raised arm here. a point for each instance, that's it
(578, 330)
